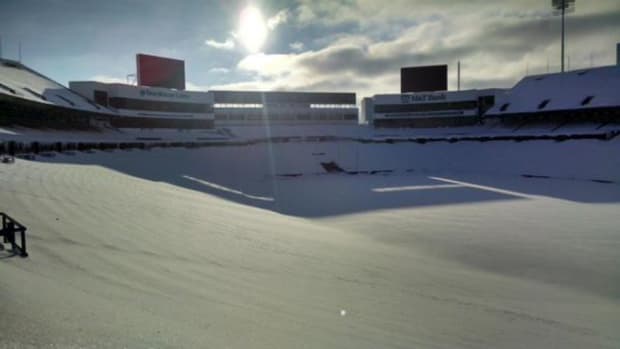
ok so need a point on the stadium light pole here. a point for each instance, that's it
(458, 76)
(562, 7)
(129, 82)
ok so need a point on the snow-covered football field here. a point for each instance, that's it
(449, 246)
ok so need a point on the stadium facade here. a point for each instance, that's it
(160, 100)
(429, 109)
(143, 106)
(31, 99)
(278, 107)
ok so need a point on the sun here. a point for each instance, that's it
(252, 29)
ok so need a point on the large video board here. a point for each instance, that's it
(424, 79)
(160, 71)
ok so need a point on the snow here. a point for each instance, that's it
(263, 132)
(108, 135)
(565, 91)
(16, 76)
(211, 248)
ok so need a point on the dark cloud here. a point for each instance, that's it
(357, 60)
(504, 41)
(468, 82)
(531, 34)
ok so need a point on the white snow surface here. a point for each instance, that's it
(211, 248)
(19, 78)
(563, 91)
(266, 131)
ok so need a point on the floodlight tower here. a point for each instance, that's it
(562, 7)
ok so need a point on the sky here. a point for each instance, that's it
(309, 45)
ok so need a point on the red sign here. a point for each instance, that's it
(160, 72)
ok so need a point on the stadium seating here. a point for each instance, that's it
(19, 81)
(561, 99)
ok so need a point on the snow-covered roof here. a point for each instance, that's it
(19, 81)
(574, 90)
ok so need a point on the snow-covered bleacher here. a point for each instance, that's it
(21, 134)
(29, 99)
(585, 93)
(19, 81)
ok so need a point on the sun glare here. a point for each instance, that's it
(252, 29)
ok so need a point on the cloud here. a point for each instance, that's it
(251, 85)
(190, 86)
(219, 70)
(229, 44)
(297, 46)
(368, 13)
(110, 79)
(279, 18)
(268, 65)
(506, 42)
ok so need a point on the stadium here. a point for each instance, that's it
(149, 215)
(586, 97)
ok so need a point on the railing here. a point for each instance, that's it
(30, 149)
(10, 228)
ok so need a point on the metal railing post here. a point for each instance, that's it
(10, 233)
(24, 253)
(9, 229)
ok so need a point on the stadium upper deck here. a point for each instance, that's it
(579, 90)
(279, 107)
(30, 99)
(429, 109)
(20, 83)
(143, 106)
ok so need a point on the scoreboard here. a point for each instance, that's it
(424, 79)
(160, 71)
